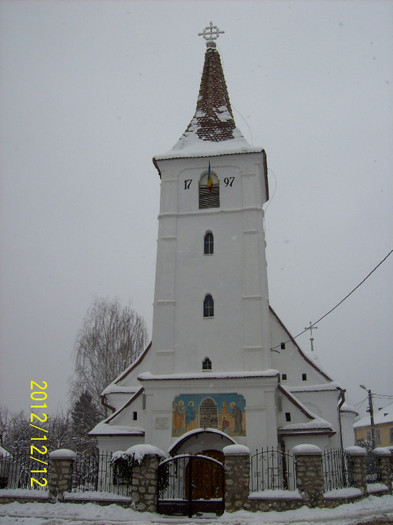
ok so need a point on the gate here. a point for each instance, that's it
(189, 484)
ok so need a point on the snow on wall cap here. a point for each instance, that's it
(138, 452)
(381, 451)
(356, 451)
(236, 450)
(306, 450)
(62, 453)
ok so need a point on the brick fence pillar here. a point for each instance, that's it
(60, 479)
(237, 476)
(309, 478)
(358, 467)
(384, 456)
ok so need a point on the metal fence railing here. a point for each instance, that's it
(19, 471)
(91, 472)
(336, 470)
(272, 469)
(373, 468)
(96, 472)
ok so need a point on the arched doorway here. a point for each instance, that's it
(200, 440)
(193, 479)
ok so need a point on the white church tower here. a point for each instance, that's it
(211, 306)
(209, 378)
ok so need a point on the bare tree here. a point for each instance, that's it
(112, 336)
(17, 431)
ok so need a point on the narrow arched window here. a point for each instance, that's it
(208, 244)
(206, 364)
(208, 306)
(209, 191)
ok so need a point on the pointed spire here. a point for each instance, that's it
(213, 120)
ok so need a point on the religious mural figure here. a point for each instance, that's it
(237, 416)
(190, 416)
(179, 417)
(225, 425)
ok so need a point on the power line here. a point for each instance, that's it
(338, 304)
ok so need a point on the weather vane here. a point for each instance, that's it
(211, 33)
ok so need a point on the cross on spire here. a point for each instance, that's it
(311, 328)
(211, 33)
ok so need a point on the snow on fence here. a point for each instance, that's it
(336, 470)
(272, 469)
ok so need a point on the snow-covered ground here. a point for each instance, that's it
(87, 514)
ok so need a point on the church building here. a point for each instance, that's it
(221, 368)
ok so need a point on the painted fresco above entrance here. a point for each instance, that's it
(222, 411)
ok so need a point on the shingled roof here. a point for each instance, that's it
(212, 130)
(213, 120)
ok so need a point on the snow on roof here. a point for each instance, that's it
(333, 385)
(148, 376)
(192, 146)
(130, 367)
(381, 416)
(112, 388)
(294, 342)
(315, 424)
(103, 429)
(348, 408)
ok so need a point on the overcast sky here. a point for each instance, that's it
(91, 91)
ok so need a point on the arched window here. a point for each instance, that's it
(208, 244)
(209, 191)
(206, 364)
(208, 306)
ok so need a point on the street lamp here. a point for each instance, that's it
(371, 410)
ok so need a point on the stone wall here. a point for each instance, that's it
(309, 480)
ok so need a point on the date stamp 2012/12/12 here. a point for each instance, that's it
(38, 394)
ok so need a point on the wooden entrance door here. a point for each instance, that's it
(207, 476)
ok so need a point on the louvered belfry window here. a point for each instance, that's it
(209, 197)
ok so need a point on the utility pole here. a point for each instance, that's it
(371, 410)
